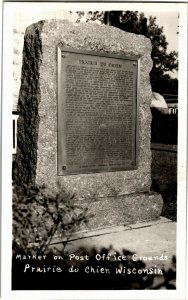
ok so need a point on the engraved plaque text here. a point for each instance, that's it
(97, 112)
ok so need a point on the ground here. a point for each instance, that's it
(164, 177)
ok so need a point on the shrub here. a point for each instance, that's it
(164, 128)
(39, 215)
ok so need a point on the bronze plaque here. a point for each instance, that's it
(97, 112)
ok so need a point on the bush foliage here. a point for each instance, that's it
(39, 215)
(164, 128)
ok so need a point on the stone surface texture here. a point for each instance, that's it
(37, 106)
(122, 210)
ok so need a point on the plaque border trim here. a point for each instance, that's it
(60, 49)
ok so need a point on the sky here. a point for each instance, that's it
(170, 23)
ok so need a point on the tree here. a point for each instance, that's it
(132, 21)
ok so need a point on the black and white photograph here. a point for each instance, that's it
(94, 120)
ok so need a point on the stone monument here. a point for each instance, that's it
(84, 119)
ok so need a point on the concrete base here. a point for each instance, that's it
(154, 238)
(122, 210)
(110, 230)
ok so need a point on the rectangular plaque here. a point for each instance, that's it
(97, 112)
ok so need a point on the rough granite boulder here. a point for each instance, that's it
(36, 160)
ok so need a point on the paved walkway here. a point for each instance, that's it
(148, 239)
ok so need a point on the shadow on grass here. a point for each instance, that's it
(164, 181)
(169, 195)
(164, 130)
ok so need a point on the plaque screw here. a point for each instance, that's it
(63, 56)
(64, 168)
(134, 64)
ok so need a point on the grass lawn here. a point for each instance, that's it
(164, 180)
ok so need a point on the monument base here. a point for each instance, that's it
(122, 210)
